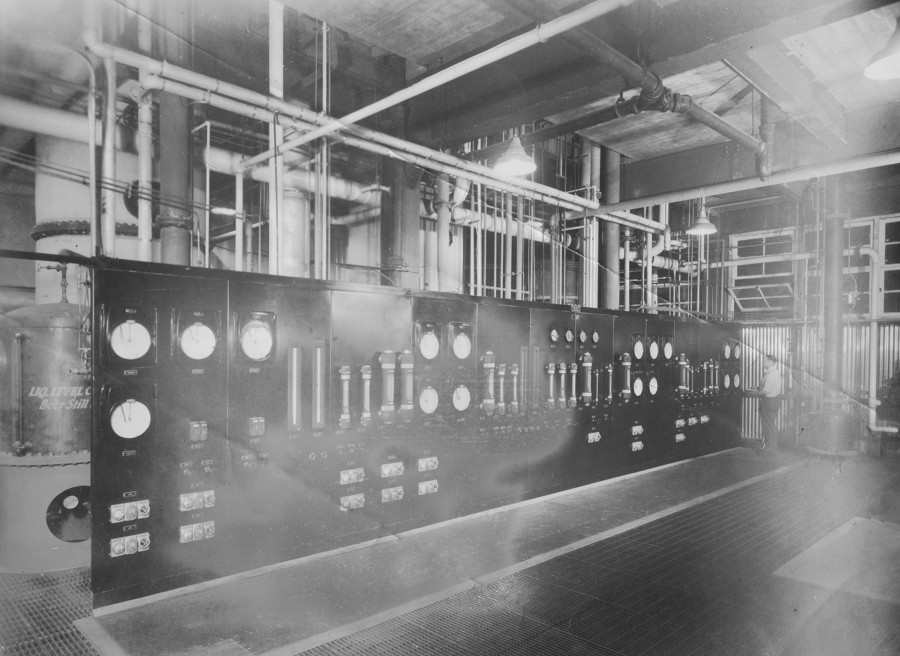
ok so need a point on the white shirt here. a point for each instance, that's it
(770, 386)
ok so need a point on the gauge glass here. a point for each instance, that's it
(129, 419)
(428, 400)
(570, 336)
(653, 385)
(726, 381)
(461, 398)
(638, 349)
(668, 350)
(256, 339)
(736, 351)
(554, 335)
(429, 346)
(654, 349)
(737, 381)
(595, 337)
(726, 351)
(130, 340)
(637, 387)
(198, 341)
(582, 337)
(462, 346)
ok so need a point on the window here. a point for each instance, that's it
(765, 284)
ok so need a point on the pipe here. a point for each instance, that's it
(277, 229)
(609, 262)
(874, 348)
(108, 173)
(520, 249)
(295, 247)
(767, 134)
(144, 146)
(508, 249)
(782, 177)
(539, 34)
(239, 220)
(442, 204)
(832, 301)
(628, 258)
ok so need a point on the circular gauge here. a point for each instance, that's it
(737, 381)
(637, 387)
(726, 351)
(462, 346)
(129, 419)
(570, 336)
(668, 350)
(429, 346)
(554, 335)
(653, 349)
(461, 398)
(653, 386)
(726, 381)
(638, 349)
(256, 339)
(198, 341)
(428, 400)
(582, 337)
(595, 337)
(736, 352)
(130, 340)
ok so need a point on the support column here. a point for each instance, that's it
(295, 247)
(442, 205)
(609, 255)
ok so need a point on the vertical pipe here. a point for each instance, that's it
(609, 258)
(239, 222)
(108, 174)
(627, 265)
(508, 249)
(295, 227)
(520, 248)
(144, 146)
(832, 302)
(276, 135)
(442, 205)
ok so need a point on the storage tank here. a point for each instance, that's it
(45, 439)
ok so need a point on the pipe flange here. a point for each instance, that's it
(174, 221)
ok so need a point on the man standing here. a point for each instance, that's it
(770, 391)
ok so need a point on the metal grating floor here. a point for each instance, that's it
(37, 611)
(695, 583)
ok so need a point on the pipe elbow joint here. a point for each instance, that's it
(763, 163)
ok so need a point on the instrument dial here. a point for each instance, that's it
(595, 337)
(668, 350)
(638, 350)
(554, 335)
(462, 346)
(726, 381)
(429, 346)
(198, 341)
(637, 387)
(653, 349)
(737, 381)
(129, 419)
(653, 386)
(582, 337)
(726, 351)
(428, 400)
(130, 340)
(736, 352)
(570, 336)
(256, 339)
(461, 398)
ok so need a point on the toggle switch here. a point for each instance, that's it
(199, 431)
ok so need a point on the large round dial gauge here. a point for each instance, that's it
(736, 352)
(595, 337)
(130, 340)
(428, 400)
(429, 346)
(737, 381)
(653, 349)
(570, 336)
(198, 341)
(554, 335)
(256, 339)
(129, 419)
(638, 349)
(461, 398)
(668, 350)
(462, 346)
(653, 385)
(726, 381)
(726, 351)
(582, 336)
(637, 387)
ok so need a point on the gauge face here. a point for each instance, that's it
(637, 387)
(737, 381)
(129, 419)
(653, 349)
(726, 351)
(668, 350)
(462, 346)
(638, 349)
(428, 400)
(130, 340)
(582, 337)
(595, 337)
(726, 381)
(461, 398)
(256, 339)
(570, 336)
(736, 352)
(554, 335)
(429, 346)
(198, 341)
(653, 385)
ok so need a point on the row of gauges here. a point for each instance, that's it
(430, 344)
(654, 346)
(569, 336)
(460, 397)
(637, 386)
(729, 381)
(731, 350)
(131, 335)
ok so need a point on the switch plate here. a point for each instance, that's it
(390, 494)
(353, 502)
(428, 487)
(428, 464)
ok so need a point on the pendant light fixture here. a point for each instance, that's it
(702, 226)
(515, 161)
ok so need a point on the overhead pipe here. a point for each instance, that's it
(144, 146)
(539, 34)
